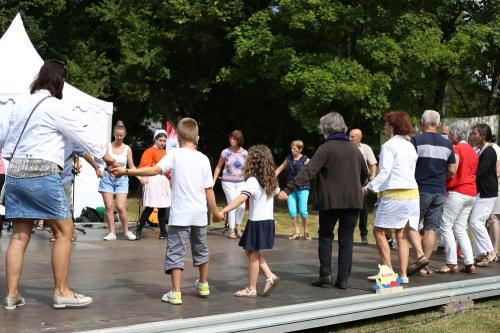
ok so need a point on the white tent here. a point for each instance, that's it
(19, 64)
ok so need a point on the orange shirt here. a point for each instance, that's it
(151, 156)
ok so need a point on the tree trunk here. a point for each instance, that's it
(493, 97)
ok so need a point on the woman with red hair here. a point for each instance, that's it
(398, 191)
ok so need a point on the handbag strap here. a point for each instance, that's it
(26, 123)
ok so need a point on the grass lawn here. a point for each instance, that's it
(283, 226)
(484, 317)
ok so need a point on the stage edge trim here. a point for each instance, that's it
(323, 313)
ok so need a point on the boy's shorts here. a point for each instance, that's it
(177, 239)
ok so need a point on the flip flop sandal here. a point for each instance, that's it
(446, 269)
(418, 265)
(294, 236)
(426, 271)
(271, 283)
(247, 292)
(307, 236)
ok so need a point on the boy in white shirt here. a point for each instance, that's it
(192, 189)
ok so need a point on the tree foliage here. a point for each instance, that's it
(272, 68)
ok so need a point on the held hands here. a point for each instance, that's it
(218, 217)
(365, 190)
(282, 196)
(117, 171)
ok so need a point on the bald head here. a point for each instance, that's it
(356, 135)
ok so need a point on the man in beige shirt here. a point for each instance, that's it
(371, 162)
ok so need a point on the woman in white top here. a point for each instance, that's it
(398, 191)
(33, 136)
(117, 187)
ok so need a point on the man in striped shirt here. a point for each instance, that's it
(436, 161)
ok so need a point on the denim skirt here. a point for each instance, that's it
(40, 198)
(258, 235)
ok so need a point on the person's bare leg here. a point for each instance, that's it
(176, 279)
(61, 255)
(382, 245)
(494, 231)
(264, 267)
(253, 269)
(305, 225)
(428, 243)
(403, 249)
(203, 269)
(108, 204)
(121, 207)
(14, 260)
(416, 242)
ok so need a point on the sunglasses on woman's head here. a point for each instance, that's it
(55, 61)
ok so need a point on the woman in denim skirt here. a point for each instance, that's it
(33, 136)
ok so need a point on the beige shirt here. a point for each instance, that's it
(368, 155)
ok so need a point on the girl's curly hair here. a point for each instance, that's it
(260, 164)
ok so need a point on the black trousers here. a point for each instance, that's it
(363, 219)
(347, 219)
(163, 214)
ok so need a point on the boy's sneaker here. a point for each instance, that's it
(172, 297)
(203, 288)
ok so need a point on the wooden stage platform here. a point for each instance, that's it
(126, 280)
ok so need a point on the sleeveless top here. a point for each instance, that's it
(122, 158)
(294, 167)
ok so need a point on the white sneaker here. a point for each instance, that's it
(61, 302)
(129, 235)
(110, 236)
(373, 277)
(405, 279)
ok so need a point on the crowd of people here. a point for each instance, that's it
(428, 186)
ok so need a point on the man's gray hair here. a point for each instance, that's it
(332, 122)
(431, 118)
(460, 130)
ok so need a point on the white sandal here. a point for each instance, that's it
(273, 282)
(249, 293)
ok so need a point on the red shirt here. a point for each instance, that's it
(464, 180)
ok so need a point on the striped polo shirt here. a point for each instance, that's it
(434, 154)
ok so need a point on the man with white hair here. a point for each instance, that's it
(371, 163)
(436, 162)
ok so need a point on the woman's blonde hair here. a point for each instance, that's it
(260, 164)
(297, 143)
(120, 126)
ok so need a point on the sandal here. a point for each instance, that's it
(307, 236)
(247, 292)
(238, 233)
(417, 265)
(448, 269)
(484, 261)
(295, 235)
(470, 269)
(426, 271)
(232, 234)
(271, 283)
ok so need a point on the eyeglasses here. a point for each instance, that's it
(59, 62)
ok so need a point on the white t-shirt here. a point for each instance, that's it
(191, 175)
(261, 206)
